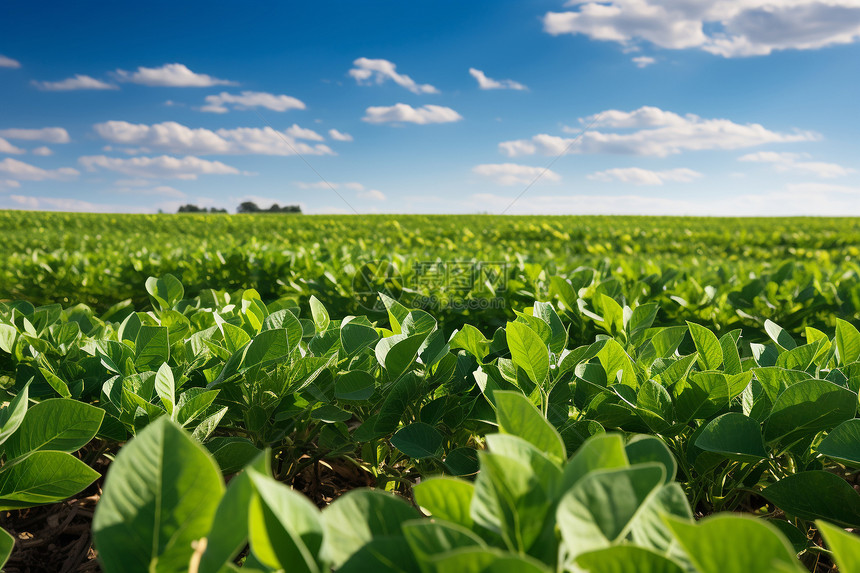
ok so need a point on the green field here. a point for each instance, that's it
(604, 394)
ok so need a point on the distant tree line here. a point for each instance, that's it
(246, 207)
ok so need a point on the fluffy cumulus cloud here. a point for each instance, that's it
(170, 75)
(784, 161)
(176, 138)
(651, 131)
(46, 134)
(513, 173)
(162, 167)
(371, 194)
(7, 62)
(78, 82)
(303, 133)
(404, 113)
(729, 28)
(43, 151)
(6, 147)
(21, 171)
(221, 103)
(339, 136)
(368, 71)
(639, 176)
(486, 83)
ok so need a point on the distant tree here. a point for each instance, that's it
(189, 208)
(248, 207)
(274, 208)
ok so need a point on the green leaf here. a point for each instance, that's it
(267, 348)
(232, 453)
(816, 495)
(528, 351)
(843, 443)
(643, 449)
(12, 415)
(598, 510)
(779, 335)
(320, 314)
(165, 291)
(160, 496)
(599, 452)
(165, 387)
(471, 340)
(701, 395)
(56, 424)
(7, 544)
(516, 415)
(446, 498)
(710, 352)
(847, 342)
(807, 407)
(284, 528)
(357, 517)
(429, 539)
(43, 477)
(151, 348)
(724, 543)
(626, 559)
(735, 436)
(845, 546)
(418, 441)
(487, 560)
(354, 385)
(355, 335)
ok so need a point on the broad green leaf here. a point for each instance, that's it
(528, 351)
(429, 539)
(7, 544)
(354, 385)
(284, 528)
(843, 443)
(446, 498)
(232, 453)
(12, 415)
(518, 416)
(151, 348)
(487, 560)
(267, 348)
(724, 543)
(816, 495)
(701, 395)
(626, 559)
(710, 352)
(165, 291)
(160, 497)
(847, 342)
(472, 340)
(418, 441)
(808, 407)
(359, 516)
(165, 387)
(733, 435)
(650, 449)
(845, 546)
(779, 335)
(355, 335)
(56, 424)
(598, 510)
(43, 477)
(599, 452)
(320, 314)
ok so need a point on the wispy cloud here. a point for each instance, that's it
(368, 71)
(513, 173)
(26, 172)
(7, 62)
(486, 83)
(404, 113)
(166, 167)
(784, 161)
(339, 136)
(170, 75)
(222, 102)
(47, 134)
(78, 82)
(639, 176)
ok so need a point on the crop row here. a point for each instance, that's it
(764, 424)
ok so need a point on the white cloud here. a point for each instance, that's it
(638, 176)
(791, 162)
(404, 113)
(6, 147)
(158, 190)
(176, 138)
(368, 71)
(351, 185)
(78, 82)
(372, 194)
(486, 83)
(42, 151)
(167, 167)
(643, 61)
(26, 172)
(48, 134)
(170, 75)
(729, 28)
(339, 136)
(71, 205)
(6, 62)
(513, 173)
(8, 184)
(303, 133)
(247, 100)
(656, 133)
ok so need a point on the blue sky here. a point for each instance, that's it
(725, 107)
